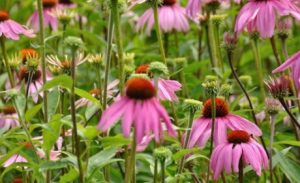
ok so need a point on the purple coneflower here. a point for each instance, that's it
(166, 88)
(49, 19)
(8, 117)
(239, 148)
(140, 109)
(294, 63)
(201, 129)
(259, 16)
(11, 29)
(194, 6)
(171, 15)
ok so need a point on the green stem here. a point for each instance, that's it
(286, 108)
(155, 171)
(73, 115)
(116, 19)
(284, 48)
(212, 43)
(162, 164)
(213, 118)
(6, 63)
(130, 170)
(158, 33)
(258, 67)
(99, 81)
(272, 123)
(275, 51)
(108, 59)
(42, 55)
(241, 171)
(186, 140)
(218, 47)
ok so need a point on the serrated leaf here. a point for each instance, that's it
(30, 113)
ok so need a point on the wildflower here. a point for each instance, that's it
(138, 108)
(238, 147)
(259, 16)
(64, 15)
(8, 117)
(28, 53)
(201, 129)
(294, 63)
(166, 88)
(194, 6)
(49, 19)
(11, 29)
(171, 15)
(279, 87)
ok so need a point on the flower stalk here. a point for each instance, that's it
(116, 18)
(130, 169)
(158, 32)
(241, 171)
(272, 123)
(275, 51)
(5, 59)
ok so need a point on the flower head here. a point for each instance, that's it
(8, 117)
(28, 53)
(171, 15)
(224, 120)
(11, 29)
(279, 87)
(139, 109)
(260, 16)
(240, 147)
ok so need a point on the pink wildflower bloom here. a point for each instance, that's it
(166, 88)
(111, 90)
(201, 129)
(8, 117)
(14, 159)
(171, 15)
(239, 147)
(193, 8)
(11, 29)
(260, 16)
(294, 63)
(49, 19)
(140, 109)
(36, 83)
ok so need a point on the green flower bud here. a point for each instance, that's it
(210, 78)
(211, 88)
(225, 89)
(246, 80)
(144, 76)
(273, 106)
(14, 61)
(192, 105)
(181, 61)
(95, 58)
(74, 42)
(158, 68)
(218, 19)
(162, 153)
(128, 58)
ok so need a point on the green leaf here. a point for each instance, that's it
(9, 154)
(63, 81)
(69, 177)
(289, 142)
(89, 132)
(184, 152)
(100, 159)
(51, 132)
(87, 95)
(52, 165)
(289, 167)
(116, 141)
(30, 113)
(53, 102)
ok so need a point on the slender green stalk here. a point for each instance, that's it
(200, 35)
(186, 140)
(286, 108)
(209, 45)
(130, 169)
(5, 59)
(272, 123)
(235, 75)
(73, 115)
(213, 118)
(99, 80)
(42, 55)
(166, 43)
(158, 32)
(155, 171)
(212, 44)
(108, 59)
(218, 46)
(162, 164)
(258, 63)
(275, 51)
(116, 19)
(241, 171)
(284, 48)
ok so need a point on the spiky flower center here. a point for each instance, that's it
(24, 74)
(238, 136)
(3, 16)
(66, 2)
(142, 69)
(28, 53)
(222, 108)
(17, 180)
(139, 89)
(49, 3)
(169, 2)
(8, 109)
